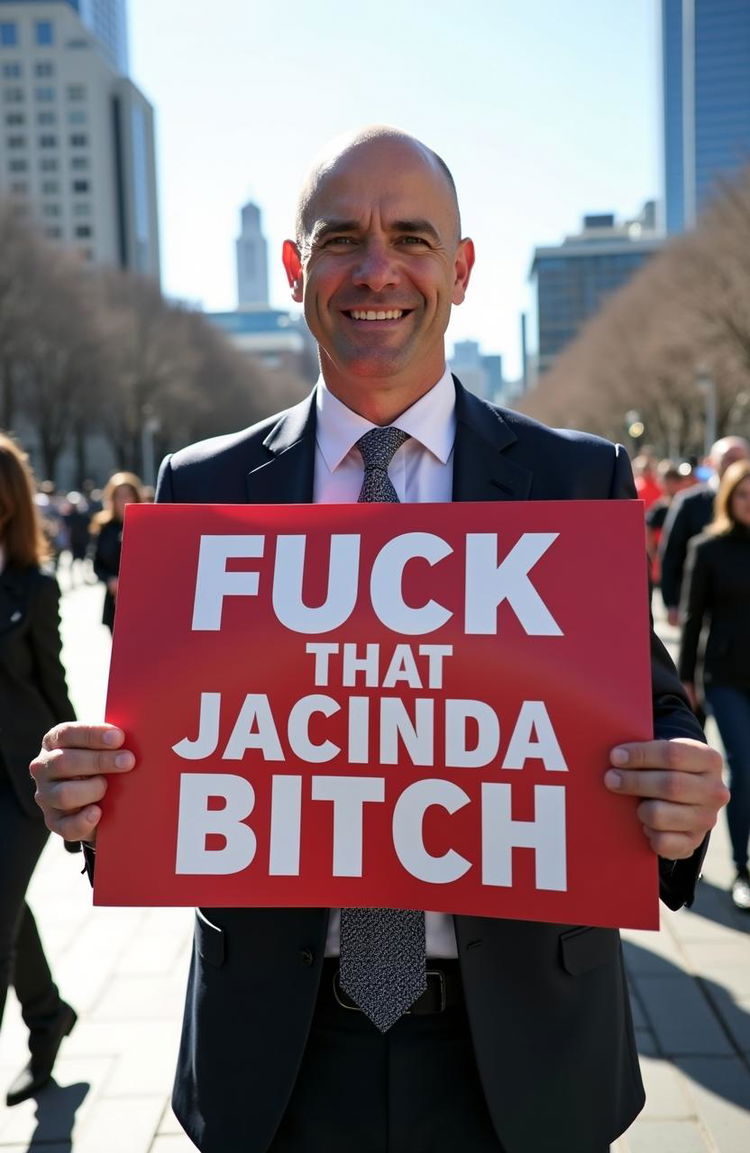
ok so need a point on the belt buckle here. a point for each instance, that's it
(443, 988)
(337, 995)
(443, 993)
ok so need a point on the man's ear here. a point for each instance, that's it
(463, 266)
(293, 266)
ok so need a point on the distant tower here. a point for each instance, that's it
(705, 101)
(252, 260)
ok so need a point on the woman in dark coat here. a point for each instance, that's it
(716, 593)
(122, 488)
(33, 696)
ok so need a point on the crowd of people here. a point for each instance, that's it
(698, 539)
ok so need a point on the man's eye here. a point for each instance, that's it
(412, 240)
(339, 242)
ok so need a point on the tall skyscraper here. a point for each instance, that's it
(76, 135)
(252, 260)
(705, 101)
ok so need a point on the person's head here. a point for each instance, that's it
(122, 488)
(21, 534)
(378, 261)
(726, 451)
(732, 504)
(669, 477)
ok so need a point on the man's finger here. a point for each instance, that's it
(683, 754)
(76, 735)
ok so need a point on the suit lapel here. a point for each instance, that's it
(287, 477)
(481, 468)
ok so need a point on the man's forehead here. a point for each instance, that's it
(359, 192)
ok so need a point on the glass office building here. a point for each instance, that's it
(105, 18)
(705, 101)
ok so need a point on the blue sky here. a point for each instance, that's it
(543, 109)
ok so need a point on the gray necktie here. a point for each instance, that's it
(382, 964)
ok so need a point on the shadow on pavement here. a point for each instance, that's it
(715, 904)
(56, 1108)
(668, 999)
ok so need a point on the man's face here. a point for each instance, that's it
(381, 266)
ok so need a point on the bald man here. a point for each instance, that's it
(521, 1039)
(689, 514)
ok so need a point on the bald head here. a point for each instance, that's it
(368, 142)
(728, 450)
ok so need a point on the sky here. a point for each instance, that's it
(543, 109)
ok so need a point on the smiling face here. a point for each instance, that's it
(378, 266)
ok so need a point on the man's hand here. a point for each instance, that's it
(71, 776)
(681, 788)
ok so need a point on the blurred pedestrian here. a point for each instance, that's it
(32, 694)
(716, 592)
(646, 479)
(122, 488)
(689, 515)
(77, 518)
(673, 478)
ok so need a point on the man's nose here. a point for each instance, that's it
(376, 267)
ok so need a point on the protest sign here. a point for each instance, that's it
(383, 705)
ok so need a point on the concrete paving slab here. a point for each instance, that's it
(681, 1018)
(720, 1088)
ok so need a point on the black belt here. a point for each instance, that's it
(444, 989)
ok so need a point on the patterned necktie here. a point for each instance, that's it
(382, 963)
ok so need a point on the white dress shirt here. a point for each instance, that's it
(421, 470)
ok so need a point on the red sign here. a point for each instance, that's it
(383, 705)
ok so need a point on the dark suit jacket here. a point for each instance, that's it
(33, 693)
(717, 590)
(547, 1004)
(688, 515)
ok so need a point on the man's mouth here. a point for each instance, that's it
(377, 313)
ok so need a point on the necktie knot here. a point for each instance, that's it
(377, 448)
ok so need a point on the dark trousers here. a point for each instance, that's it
(414, 1089)
(731, 710)
(22, 960)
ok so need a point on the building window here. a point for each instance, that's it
(19, 188)
(82, 230)
(46, 118)
(12, 71)
(79, 163)
(48, 165)
(50, 210)
(48, 142)
(81, 208)
(8, 34)
(15, 119)
(17, 166)
(50, 188)
(79, 140)
(16, 142)
(44, 68)
(76, 92)
(45, 95)
(53, 233)
(44, 33)
(13, 95)
(81, 186)
(78, 116)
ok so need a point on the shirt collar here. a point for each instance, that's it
(431, 420)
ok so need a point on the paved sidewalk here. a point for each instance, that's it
(124, 971)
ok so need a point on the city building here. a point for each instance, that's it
(252, 259)
(570, 281)
(705, 50)
(481, 373)
(272, 337)
(76, 135)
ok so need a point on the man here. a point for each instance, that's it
(522, 1040)
(688, 516)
